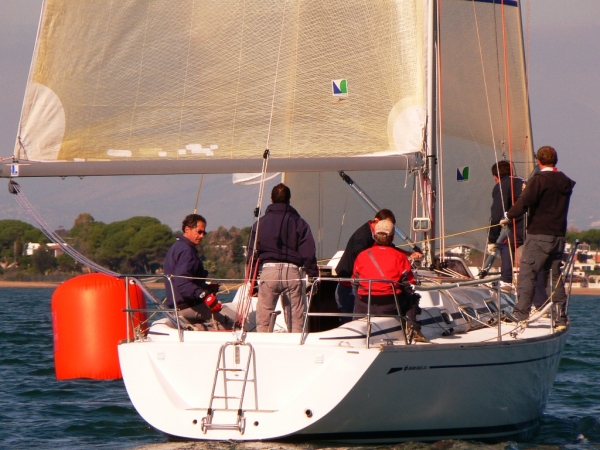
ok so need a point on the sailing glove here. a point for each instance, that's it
(213, 304)
(213, 288)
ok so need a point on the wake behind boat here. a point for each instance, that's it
(416, 98)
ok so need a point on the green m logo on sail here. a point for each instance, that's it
(462, 174)
(339, 88)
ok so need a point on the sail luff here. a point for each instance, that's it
(19, 149)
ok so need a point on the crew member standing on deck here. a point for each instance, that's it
(546, 198)
(506, 191)
(284, 245)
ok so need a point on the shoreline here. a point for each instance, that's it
(53, 284)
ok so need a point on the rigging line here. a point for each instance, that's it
(185, 82)
(498, 69)
(139, 78)
(343, 219)
(486, 89)
(24, 203)
(451, 235)
(198, 196)
(508, 122)
(440, 165)
(237, 85)
(276, 75)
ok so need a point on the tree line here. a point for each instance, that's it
(134, 246)
(591, 237)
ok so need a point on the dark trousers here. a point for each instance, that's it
(506, 272)
(380, 304)
(541, 253)
(344, 297)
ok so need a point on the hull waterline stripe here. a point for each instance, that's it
(464, 366)
(478, 432)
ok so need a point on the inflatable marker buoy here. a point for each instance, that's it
(88, 323)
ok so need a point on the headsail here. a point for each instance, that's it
(178, 87)
(484, 108)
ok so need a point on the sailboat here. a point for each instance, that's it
(415, 99)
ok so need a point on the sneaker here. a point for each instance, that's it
(507, 287)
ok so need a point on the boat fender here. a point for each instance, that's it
(88, 322)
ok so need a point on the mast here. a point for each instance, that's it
(430, 177)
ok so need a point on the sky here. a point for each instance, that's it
(563, 47)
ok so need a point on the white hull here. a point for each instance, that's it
(334, 388)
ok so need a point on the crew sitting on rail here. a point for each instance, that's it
(383, 261)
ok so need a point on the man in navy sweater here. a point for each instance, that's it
(284, 244)
(195, 298)
(546, 199)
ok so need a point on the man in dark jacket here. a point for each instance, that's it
(195, 298)
(284, 245)
(546, 199)
(506, 191)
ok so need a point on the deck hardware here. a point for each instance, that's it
(308, 413)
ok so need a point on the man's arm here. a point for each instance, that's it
(307, 250)
(528, 198)
(496, 214)
(190, 289)
(250, 248)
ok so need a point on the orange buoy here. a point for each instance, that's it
(88, 323)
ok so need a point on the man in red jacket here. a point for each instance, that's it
(383, 261)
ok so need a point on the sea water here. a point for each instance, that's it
(37, 411)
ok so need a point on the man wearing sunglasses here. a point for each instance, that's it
(195, 298)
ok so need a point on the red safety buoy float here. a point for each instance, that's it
(88, 322)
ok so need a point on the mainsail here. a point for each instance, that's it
(156, 86)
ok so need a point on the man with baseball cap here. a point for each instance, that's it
(383, 261)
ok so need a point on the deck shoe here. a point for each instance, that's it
(417, 336)
(510, 317)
